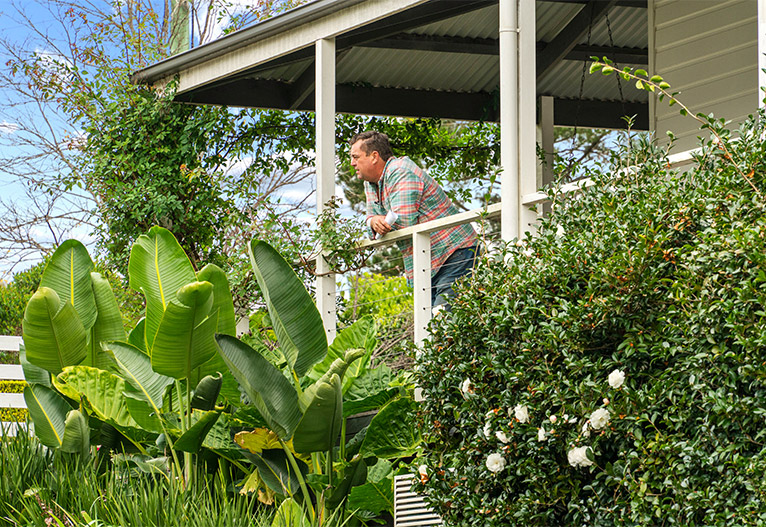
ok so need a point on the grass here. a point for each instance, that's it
(40, 488)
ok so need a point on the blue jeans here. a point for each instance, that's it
(459, 263)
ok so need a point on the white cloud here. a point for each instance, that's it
(8, 128)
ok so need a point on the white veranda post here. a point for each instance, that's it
(761, 51)
(325, 169)
(517, 114)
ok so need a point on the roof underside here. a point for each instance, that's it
(440, 58)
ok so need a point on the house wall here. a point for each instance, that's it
(707, 50)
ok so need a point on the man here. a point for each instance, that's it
(397, 187)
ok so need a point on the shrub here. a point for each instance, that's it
(653, 273)
(14, 297)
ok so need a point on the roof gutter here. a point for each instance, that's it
(286, 21)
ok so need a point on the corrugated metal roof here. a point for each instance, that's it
(404, 64)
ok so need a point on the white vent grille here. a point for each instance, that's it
(409, 508)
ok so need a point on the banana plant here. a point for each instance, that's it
(78, 357)
(303, 403)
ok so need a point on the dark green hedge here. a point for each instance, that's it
(657, 274)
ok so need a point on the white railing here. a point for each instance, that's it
(11, 372)
(420, 236)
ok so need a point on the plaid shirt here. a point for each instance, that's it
(416, 198)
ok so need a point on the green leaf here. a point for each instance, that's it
(393, 431)
(145, 387)
(361, 334)
(276, 472)
(48, 411)
(642, 72)
(185, 337)
(377, 495)
(68, 273)
(108, 325)
(370, 391)
(595, 67)
(354, 474)
(269, 390)
(607, 70)
(222, 301)
(137, 336)
(103, 393)
(294, 316)
(53, 334)
(290, 514)
(664, 85)
(192, 439)
(656, 79)
(320, 426)
(33, 374)
(76, 434)
(206, 392)
(158, 267)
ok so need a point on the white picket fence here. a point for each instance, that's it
(12, 372)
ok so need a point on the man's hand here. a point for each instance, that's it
(379, 225)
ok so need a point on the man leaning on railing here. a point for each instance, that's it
(400, 194)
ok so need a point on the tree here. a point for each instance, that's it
(93, 153)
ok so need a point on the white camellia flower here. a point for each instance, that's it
(495, 462)
(585, 430)
(560, 231)
(467, 386)
(541, 434)
(616, 378)
(578, 457)
(423, 470)
(501, 436)
(552, 419)
(599, 419)
(521, 413)
(488, 430)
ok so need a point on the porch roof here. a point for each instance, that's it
(427, 58)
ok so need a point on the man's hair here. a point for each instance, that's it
(373, 141)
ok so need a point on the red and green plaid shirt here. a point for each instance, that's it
(416, 198)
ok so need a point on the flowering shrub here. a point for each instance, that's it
(612, 369)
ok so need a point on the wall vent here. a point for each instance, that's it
(409, 508)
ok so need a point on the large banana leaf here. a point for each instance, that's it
(320, 426)
(206, 392)
(339, 367)
(393, 431)
(48, 411)
(276, 471)
(191, 440)
(294, 316)
(158, 267)
(222, 301)
(359, 335)
(76, 434)
(145, 387)
(103, 393)
(108, 325)
(290, 514)
(33, 374)
(137, 336)
(53, 334)
(269, 390)
(68, 273)
(213, 367)
(185, 337)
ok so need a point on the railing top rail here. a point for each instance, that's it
(9, 343)
(491, 211)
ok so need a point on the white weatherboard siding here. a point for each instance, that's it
(707, 50)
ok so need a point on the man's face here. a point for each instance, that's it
(369, 167)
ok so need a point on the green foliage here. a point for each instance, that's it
(650, 272)
(14, 296)
(39, 488)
